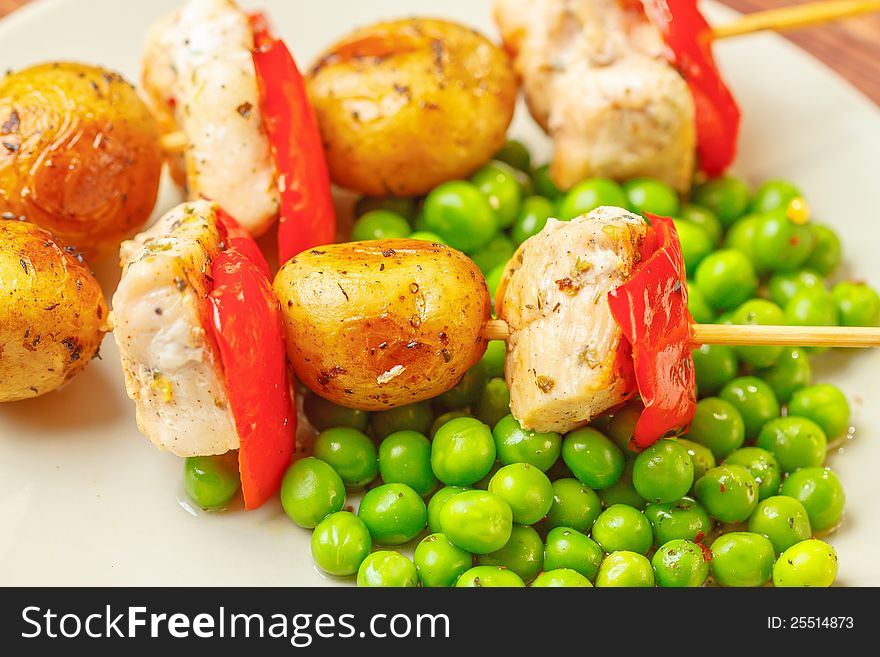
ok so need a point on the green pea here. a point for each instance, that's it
(622, 491)
(774, 194)
(726, 196)
(438, 562)
(412, 417)
(570, 549)
(543, 183)
(211, 481)
(477, 521)
(819, 490)
(310, 491)
(435, 504)
(784, 285)
(387, 568)
(755, 401)
(857, 304)
(497, 181)
(808, 563)
(715, 365)
(701, 456)
(523, 554)
(726, 279)
(517, 445)
(653, 196)
(697, 306)
(705, 219)
(621, 527)
(663, 472)
(589, 195)
(718, 425)
(782, 519)
(695, 243)
(441, 420)
(494, 403)
(497, 251)
(680, 563)
(405, 458)
(625, 569)
(741, 237)
(515, 154)
(825, 256)
(593, 458)
(493, 359)
(403, 206)
(340, 543)
(533, 216)
(494, 576)
(350, 453)
(728, 492)
(762, 465)
(742, 559)
(380, 225)
(560, 577)
(493, 280)
(394, 513)
(323, 414)
(426, 236)
(682, 519)
(825, 405)
(574, 505)
(764, 313)
(462, 451)
(459, 213)
(526, 489)
(467, 391)
(796, 442)
(483, 484)
(791, 372)
(622, 424)
(812, 307)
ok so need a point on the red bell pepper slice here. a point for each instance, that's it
(248, 333)
(689, 38)
(307, 216)
(651, 310)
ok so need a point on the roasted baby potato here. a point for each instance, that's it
(52, 312)
(79, 154)
(373, 325)
(406, 105)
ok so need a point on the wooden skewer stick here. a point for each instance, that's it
(748, 334)
(173, 142)
(788, 18)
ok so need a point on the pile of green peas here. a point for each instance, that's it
(480, 501)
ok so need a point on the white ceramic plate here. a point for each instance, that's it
(86, 500)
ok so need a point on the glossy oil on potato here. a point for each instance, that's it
(374, 325)
(79, 154)
(52, 312)
(406, 105)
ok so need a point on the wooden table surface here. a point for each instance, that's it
(851, 47)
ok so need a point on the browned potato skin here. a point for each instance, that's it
(406, 105)
(80, 154)
(355, 311)
(52, 312)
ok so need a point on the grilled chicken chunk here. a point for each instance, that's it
(199, 74)
(169, 367)
(596, 79)
(562, 354)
